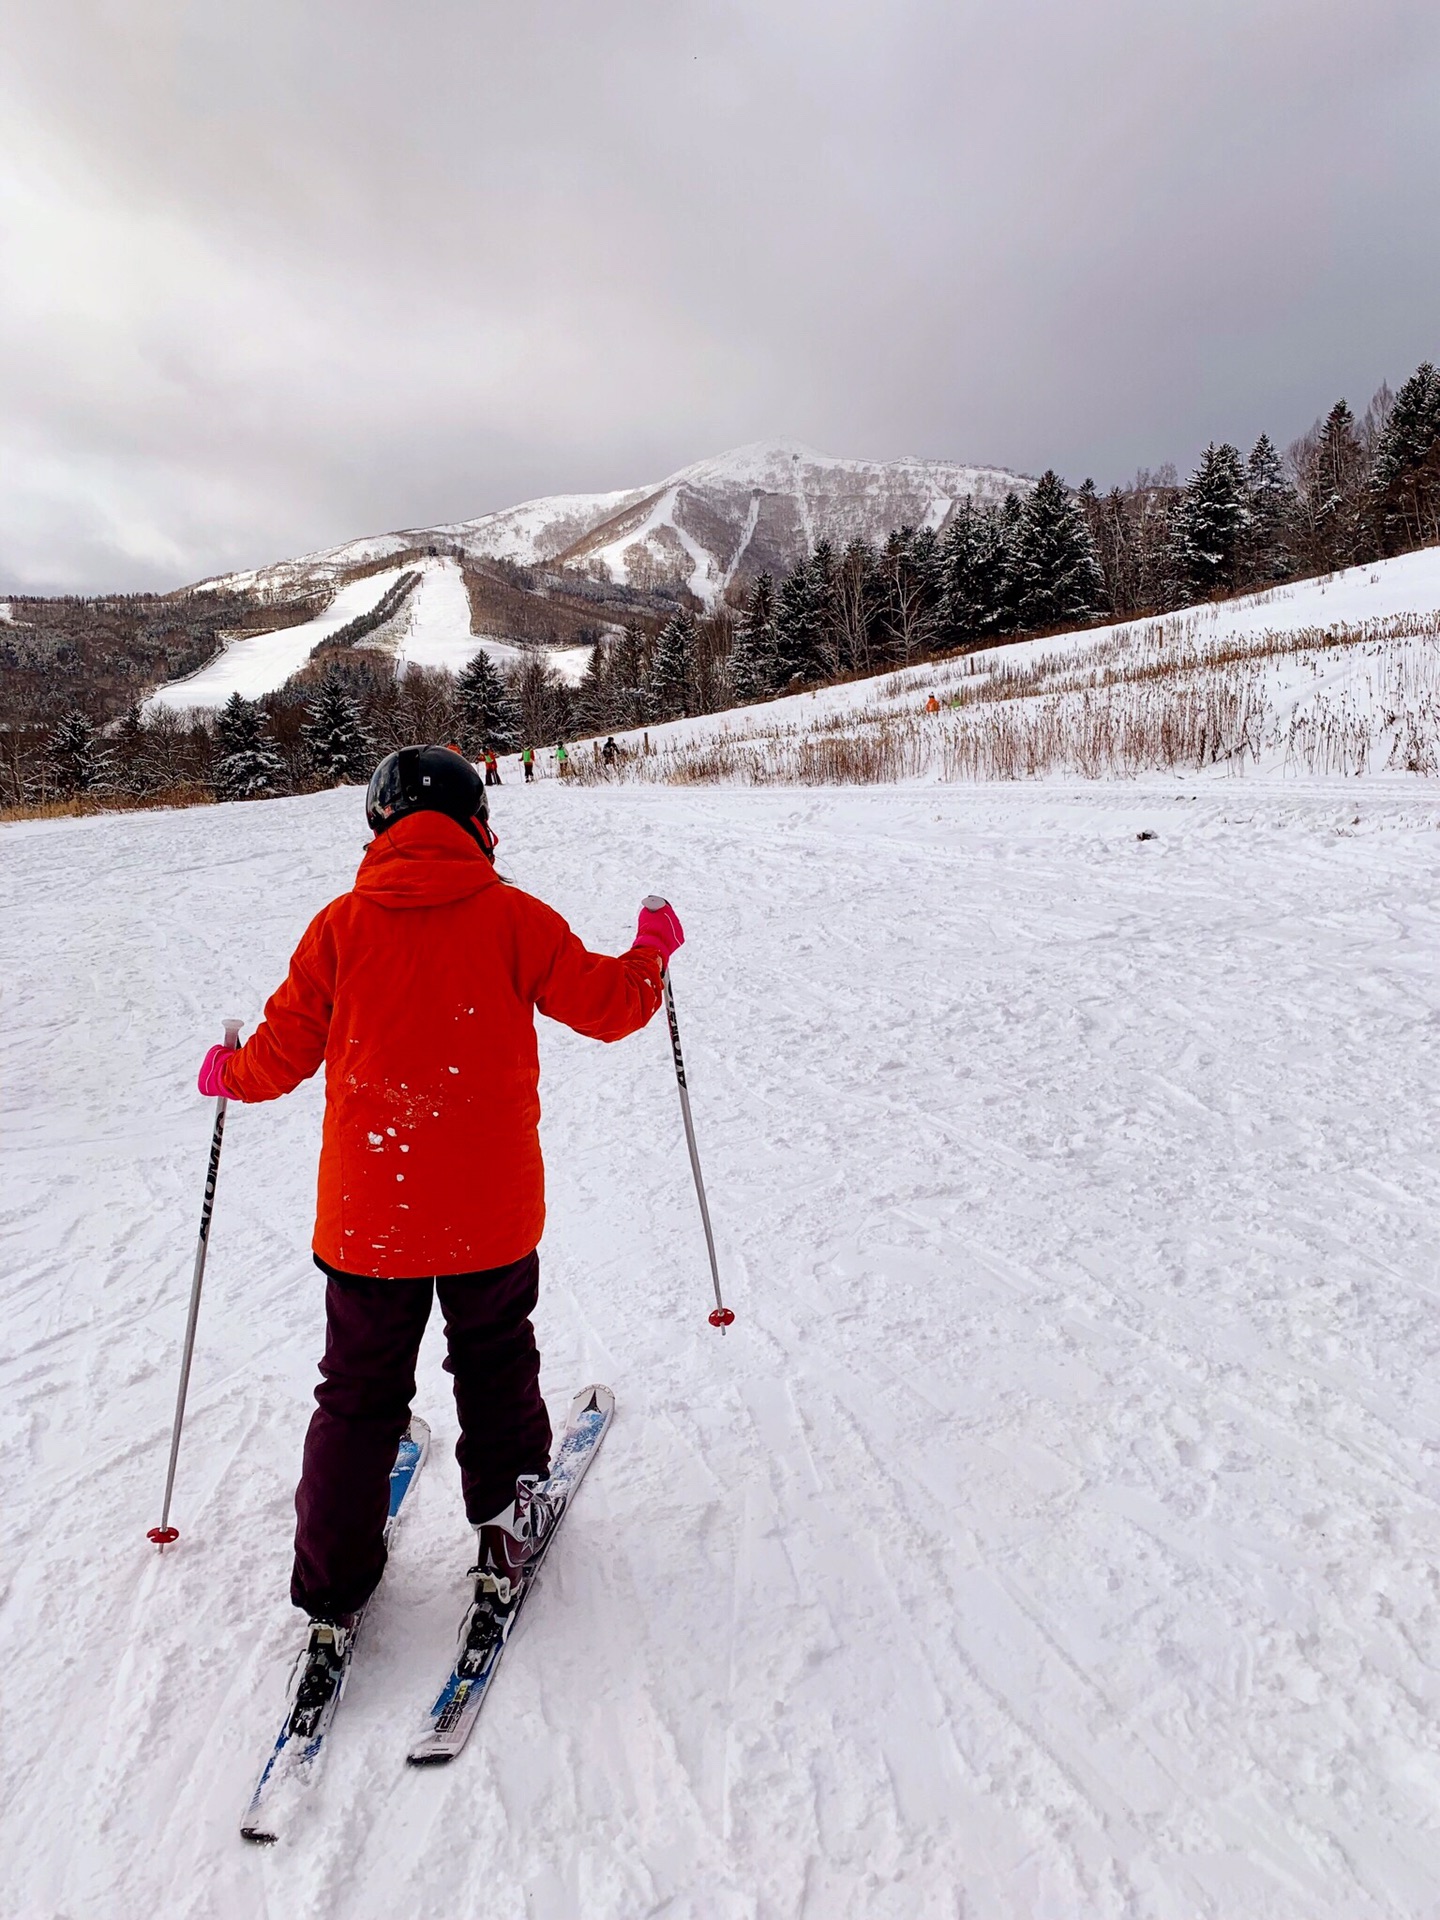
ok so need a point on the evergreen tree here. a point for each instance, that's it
(672, 670)
(754, 666)
(1405, 476)
(629, 677)
(593, 700)
(1059, 576)
(1267, 548)
(487, 713)
(973, 570)
(1010, 525)
(334, 732)
(1209, 523)
(247, 767)
(76, 758)
(825, 577)
(135, 763)
(1335, 493)
(799, 630)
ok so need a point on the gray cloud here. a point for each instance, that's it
(282, 274)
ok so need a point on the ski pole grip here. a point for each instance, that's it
(653, 902)
(232, 1032)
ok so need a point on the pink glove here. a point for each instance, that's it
(659, 927)
(209, 1081)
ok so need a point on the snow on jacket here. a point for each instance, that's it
(417, 990)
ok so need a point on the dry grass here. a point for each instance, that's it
(1163, 699)
(78, 806)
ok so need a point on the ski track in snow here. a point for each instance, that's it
(1055, 1533)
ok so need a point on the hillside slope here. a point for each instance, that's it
(1336, 674)
(431, 629)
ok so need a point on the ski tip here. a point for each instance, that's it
(595, 1399)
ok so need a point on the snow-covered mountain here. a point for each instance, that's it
(706, 527)
(763, 507)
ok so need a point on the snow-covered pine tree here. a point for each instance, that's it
(594, 699)
(334, 732)
(753, 667)
(1268, 546)
(489, 716)
(77, 759)
(629, 677)
(247, 767)
(1405, 475)
(1209, 523)
(1334, 491)
(1009, 519)
(1058, 574)
(825, 573)
(972, 571)
(672, 669)
(799, 634)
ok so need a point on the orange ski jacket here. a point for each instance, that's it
(418, 991)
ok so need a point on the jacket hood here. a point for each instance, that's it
(424, 860)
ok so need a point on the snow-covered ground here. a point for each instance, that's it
(431, 629)
(1054, 1535)
(1338, 673)
(260, 663)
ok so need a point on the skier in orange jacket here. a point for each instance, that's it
(417, 991)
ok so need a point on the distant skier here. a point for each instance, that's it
(527, 761)
(562, 759)
(492, 768)
(610, 753)
(932, 705)
(417, 990)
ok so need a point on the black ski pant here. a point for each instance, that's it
(362, 1407)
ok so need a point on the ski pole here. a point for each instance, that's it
(165, 1533)
(721, 1315)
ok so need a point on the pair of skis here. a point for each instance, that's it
(300, 1745)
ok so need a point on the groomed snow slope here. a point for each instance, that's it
(434, 629)
(431, 629)
(1054, 1535)
(262, 662)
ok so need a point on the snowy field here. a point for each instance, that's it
(1055, 1535)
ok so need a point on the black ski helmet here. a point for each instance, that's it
(430, 780)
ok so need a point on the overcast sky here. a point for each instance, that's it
(279, 274)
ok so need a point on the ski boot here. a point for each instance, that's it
(509, 1546)
(320, 1670)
